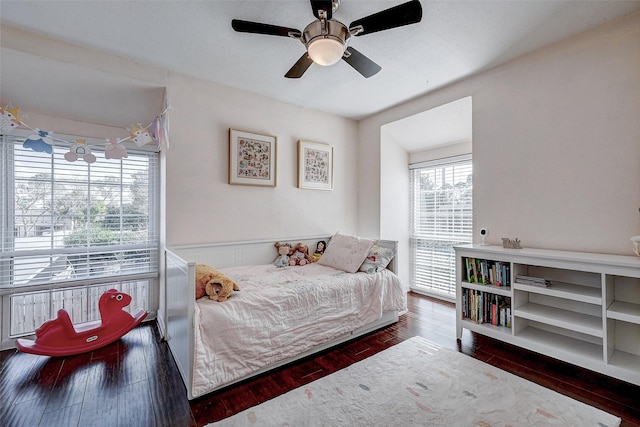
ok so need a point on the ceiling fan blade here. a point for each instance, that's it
(325, 5)
(299, 67)
(258, 28)
(361, 63)
(404, 14)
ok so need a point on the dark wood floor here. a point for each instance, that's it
(135, 382)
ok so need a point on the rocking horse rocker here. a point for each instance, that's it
(59, 337)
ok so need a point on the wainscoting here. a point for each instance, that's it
(134, 381)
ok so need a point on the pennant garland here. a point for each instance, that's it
(41, 141)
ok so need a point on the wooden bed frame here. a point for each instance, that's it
(180, 264)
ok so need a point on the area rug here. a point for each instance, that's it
(417, 383)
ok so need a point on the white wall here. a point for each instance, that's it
(202, 207)
(556, 144)
(394, 198)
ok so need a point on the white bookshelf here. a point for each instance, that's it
(589, 315)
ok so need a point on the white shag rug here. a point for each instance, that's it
(417, 383)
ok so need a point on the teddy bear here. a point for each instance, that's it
(210, 281)
(284, 249)
(300, 255)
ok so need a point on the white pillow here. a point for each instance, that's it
(377, 259)
(346, 253)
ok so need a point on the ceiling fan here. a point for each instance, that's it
(326, 39)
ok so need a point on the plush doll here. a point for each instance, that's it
(319, 251)
(300, 255)
(284, 249)
(210, 281)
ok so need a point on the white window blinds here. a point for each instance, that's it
(67, 221)
(442, 215)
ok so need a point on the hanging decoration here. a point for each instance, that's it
(139, 135)
(9, 118)
(40, 141)
(79, 149)
(160, 127)
(156, 132)
(115, 150)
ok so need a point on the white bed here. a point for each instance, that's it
(298, 311)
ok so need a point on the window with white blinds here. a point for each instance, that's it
(441, 217)
(68, 223)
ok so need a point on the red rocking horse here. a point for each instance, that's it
(59, 337)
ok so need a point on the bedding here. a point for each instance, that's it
(377, 259)
(345, 252)
(282, 312)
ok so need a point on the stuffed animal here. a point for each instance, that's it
(300, 255)
(284, 249)
(210, 281)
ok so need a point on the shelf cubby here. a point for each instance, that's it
(565, 290)
(539, 338)
(566, 319)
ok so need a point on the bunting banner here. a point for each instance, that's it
(156, 132)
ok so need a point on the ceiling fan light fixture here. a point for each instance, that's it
(325, 51)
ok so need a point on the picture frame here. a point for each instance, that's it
(252, 158)
(315, 166)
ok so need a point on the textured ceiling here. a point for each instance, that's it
(454, 40)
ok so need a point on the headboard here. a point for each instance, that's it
(255, 252)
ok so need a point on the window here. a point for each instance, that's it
(70, 229)
(441, 197)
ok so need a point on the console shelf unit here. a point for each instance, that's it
(588, 315)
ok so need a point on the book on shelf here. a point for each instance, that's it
(486, 307)
(487, 272)
(505, 315)
(535, 281)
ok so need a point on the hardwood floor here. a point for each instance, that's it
(135, 382)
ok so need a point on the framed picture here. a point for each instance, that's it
(315, 166)
(252, 158)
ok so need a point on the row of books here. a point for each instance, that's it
(485, 307)
(535, 281)
(488, 272)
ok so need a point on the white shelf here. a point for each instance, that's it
(498, 290)
(566, 291)
(566, 319)
(624, 311)
(583, 349)
(486, 328)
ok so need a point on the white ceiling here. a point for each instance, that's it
(447, 124)
(454, 40)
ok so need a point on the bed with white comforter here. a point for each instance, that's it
(279, 316)
(282, 312)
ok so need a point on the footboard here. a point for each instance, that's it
(180, 264)
(180, 306)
